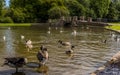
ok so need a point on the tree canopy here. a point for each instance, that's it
(41, 10)
(1, 6)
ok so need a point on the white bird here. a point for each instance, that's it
(48, 32)
(74, 33)
(9, 28)
(61, 31)
(29, 45)
(22, 37)
(113, 36)
(4, 38)
(118, 39)
(49, 28)
(29, 42)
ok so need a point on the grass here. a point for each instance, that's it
(15, 24)
(114, 26)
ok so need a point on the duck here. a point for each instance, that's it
(9, 28)
(49, 28)
(29, 45)
(22, 37)
(48, 32)
(74, 33)
(64, 43)
(105, 41)
(4, 38)
(42, 55)
(70, 51)
(61, 30)
(15, 62)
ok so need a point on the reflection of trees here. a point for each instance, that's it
(9, 43)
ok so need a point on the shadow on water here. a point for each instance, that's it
(11, 72)
(31, 68)
(26, 71)
(18, 73)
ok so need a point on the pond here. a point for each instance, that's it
(90, 50)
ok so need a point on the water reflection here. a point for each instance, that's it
(18, 73)
(9, 43)
(43, 69)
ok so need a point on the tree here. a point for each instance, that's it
(58, 11)
(75, 8)
(24, 8)
(1, 6)
(42, 10)
(85, 3)
(89, 12)
(118, 8)
(113, 11)
(100, 7)
(48, 9)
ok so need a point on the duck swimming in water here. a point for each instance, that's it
(67, 44)
(29, 45)
(70, 51)
(64, 43)
(74, 33)
(42, 55)
(4, 38)
(22, 37)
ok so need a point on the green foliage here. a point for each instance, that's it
(85, 3)
(58, 11)
(113, 12)
(118, 9)
(41, 10)
(75, 8)
(100, 7)
(1, 6)
(6, 20)
(90, 13)
(17, 15)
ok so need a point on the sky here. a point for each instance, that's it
(7, 2)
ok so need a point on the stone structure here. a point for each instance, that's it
(82, 18)
(68, 19)
(73, 21)
(89, 19)
(98, 19)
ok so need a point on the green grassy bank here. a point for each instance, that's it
(15, 24)
(114, 26)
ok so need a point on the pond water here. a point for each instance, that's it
(90, 50)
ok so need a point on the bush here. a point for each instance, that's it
(6, 20)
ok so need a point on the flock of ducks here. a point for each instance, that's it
(42, 55)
